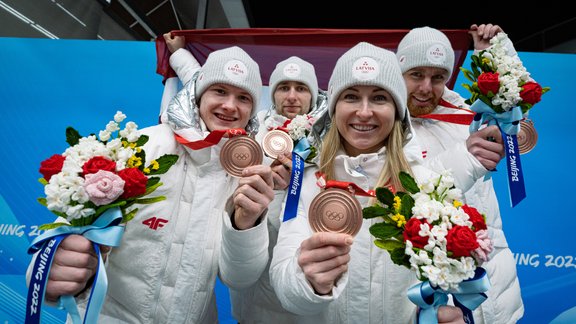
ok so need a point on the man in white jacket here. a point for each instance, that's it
(426, 58)
(166, 274)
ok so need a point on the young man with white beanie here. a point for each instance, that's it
(294, 91)
(426, 58)
(210, 224)
(335, 276)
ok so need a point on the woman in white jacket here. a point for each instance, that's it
(330, 277)
(167, 273)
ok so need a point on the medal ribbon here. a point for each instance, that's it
(461, 119)
(105, 230)
(299, 155)
(509, 124)
(212, 139)
(468, 296)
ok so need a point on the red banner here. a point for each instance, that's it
(320, 47)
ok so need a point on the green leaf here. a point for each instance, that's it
(165, 162)
(374, 211)
(45, 227)
(146, 201)
(468, 74)
(143, 139)
(390, 245)
(407, 205)
(72, 136)
(408, 182)
(42, 181)
(152, 181)
(129, 216)
(385, 196)
(399, 257)
(43, 201)
(151, 188)
(384, 230)
(142, 156)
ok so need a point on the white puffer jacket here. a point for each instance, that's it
(444, 144)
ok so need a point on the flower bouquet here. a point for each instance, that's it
(428, 230)
(502, 93)
(93, 187)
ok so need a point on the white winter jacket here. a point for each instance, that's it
(445, 143)
(374, 289)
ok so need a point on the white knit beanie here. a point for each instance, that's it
(425, 46)
(231, 66)
(295, 69)
(369, 65)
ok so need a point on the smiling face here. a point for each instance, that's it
(223, 106)
(364, 116)
(425, 87)
(292, 98)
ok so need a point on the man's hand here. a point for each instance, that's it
(482, 35)
(281, 171)
(254, 193)
(74, 264)
(174, 43)
(486, 145)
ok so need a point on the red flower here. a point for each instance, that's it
(531, 92)
(135, 182)
(411, 230)
(98, 163)
(461, 241)
(488, 82)
(51, 166)
(476, 218)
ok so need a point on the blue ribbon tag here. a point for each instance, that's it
(509, 124)
(516, 189)
(468, 296)
(291, 207)
(105, 230)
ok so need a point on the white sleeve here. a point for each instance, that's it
(244, 253)
(184, 64)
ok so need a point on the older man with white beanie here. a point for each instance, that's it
(426, 58)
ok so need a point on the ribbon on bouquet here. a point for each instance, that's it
(299, 154)
(468, 296)
(105, 230)
(509, 124)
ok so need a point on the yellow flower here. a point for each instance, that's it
(134, 162)
(397, 203)
(399, 219)
(457, 203)
(154, 165)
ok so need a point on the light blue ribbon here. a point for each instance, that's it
(509, 121)
(105, 230)
(509, 124)
(468, 296)
(302, 148)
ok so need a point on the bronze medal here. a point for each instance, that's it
(526, 136)
(238, 153)
(276, 142)
(335, 210)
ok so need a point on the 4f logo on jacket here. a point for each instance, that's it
(154, 222)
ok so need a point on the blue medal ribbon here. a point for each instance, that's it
(509, 124)
(468, 296)
(105, 230)
(299, 155)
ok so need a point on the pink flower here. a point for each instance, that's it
(485, 246)
(103, 187)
